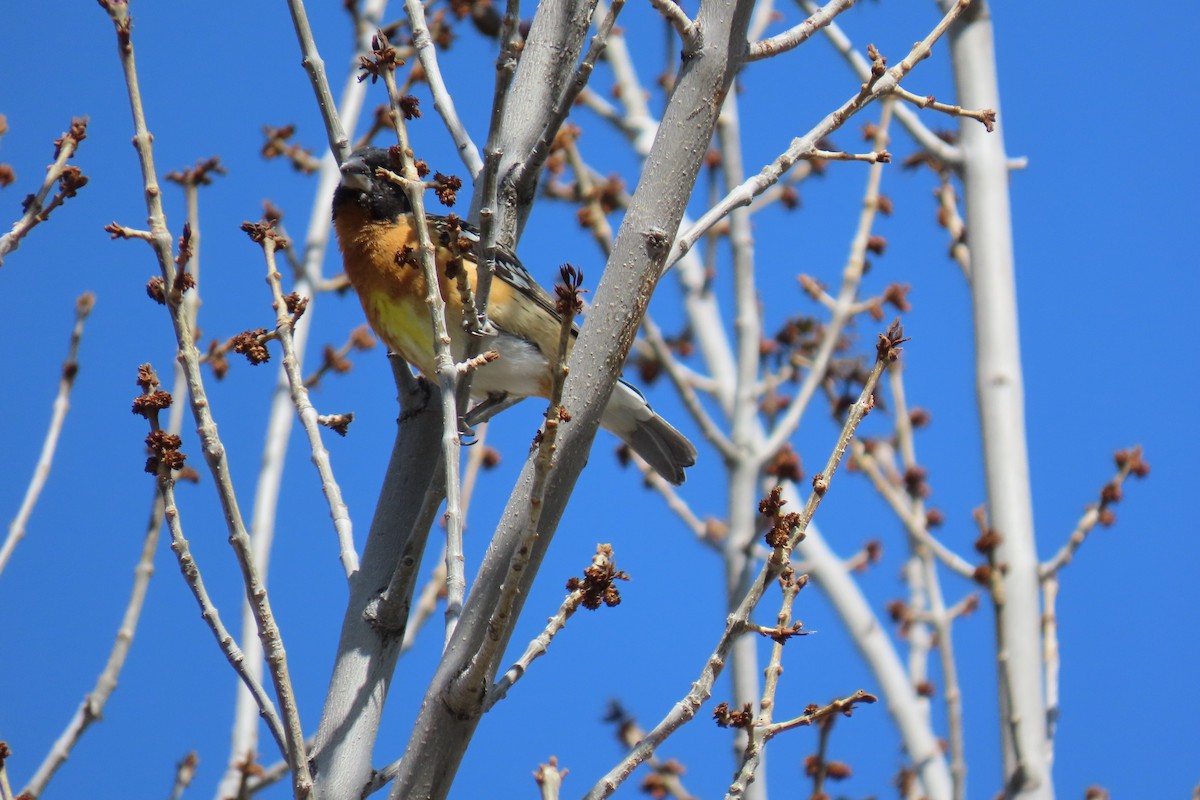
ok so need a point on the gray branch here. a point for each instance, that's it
(1001, 397)
(452, 708)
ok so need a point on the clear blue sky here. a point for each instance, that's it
(1100, 103)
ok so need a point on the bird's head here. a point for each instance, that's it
(361, 188)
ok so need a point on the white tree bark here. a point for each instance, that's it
(1001, 397)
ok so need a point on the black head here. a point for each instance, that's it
(359, 186)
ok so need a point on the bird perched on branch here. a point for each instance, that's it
(378, 240)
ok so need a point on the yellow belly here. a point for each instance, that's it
(392, 292)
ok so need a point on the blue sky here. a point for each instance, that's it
(1099, 102)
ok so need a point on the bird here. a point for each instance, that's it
(377, 237)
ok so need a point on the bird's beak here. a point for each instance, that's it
(356, 174)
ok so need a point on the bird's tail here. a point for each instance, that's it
(630, 417)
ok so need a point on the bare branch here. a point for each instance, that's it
(940, 617)
(927, 139)
(62, 404)
(577, 84)
(70, 180)
(950, 219)
(214, 450)
(915, 527)
(442, 101)
(843, 308)
(446, 371)
(798, 35)
(985, 116)
(752, 754)
(1000, 388)
(569, 305)
(287, 311)
(92, 707)
(876, 157)
(1051, 657)
(185, 771)
(307, 265)
(687, 391)
(877, 86)
(314, 65)
(1129, 462)
(701, 689)
(843, 706)
(602, 565)
(684, 26)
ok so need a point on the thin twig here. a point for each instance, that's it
(852, 275)
(92, 707)
(486, 199)
(1129, 462)
(1051, 658)
(940, 618)
(314, 65)
(984, 116)
(285, 320)
(549, 779)
(307, 264)
(569, 306)
(585, 191)
(578, 82)
(925, 138)
(360, 339)
(842, 706)
(915, 527)
(427, 599)
(684, 26)
(640, 125)
(36, 209)
(701, 690)
(993, 578)
(214, 450)
(195, 581)
(541, 643)
(952, 221)
(442, 100)
(58, 413)
(874, 157)
(185, 771)
(687, 392)
(879, 86)
(446, 372)
(798, 35)
(756, 740)
(608, 112)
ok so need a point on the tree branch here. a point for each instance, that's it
(798, 35)
(58, 414)
(1001, 409)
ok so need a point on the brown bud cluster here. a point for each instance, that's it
(598, 584)
(252, 345)
(569, 291)
(446, 188)
(785, 465)
(734, 719)
(164, 450)
(782, 525)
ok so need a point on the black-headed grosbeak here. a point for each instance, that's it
(378, 241)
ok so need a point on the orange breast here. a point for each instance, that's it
(381, 263)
